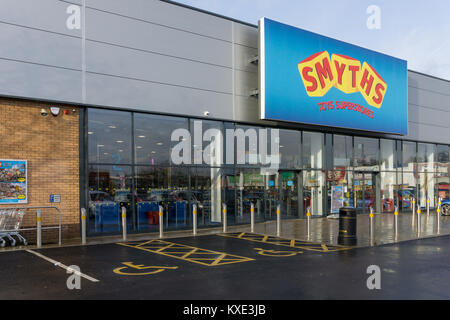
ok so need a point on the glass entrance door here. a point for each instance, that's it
(271, 195)
(289, 194)
(365, 191)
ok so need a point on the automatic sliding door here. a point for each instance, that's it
(289, 194)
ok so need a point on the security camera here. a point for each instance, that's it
(44, 112)
(206, 113)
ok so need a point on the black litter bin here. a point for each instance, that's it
(347, 226)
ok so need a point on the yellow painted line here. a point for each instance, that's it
(189, 253)
(140, 267)
(215, 262)
(175, 250)
(310, 246)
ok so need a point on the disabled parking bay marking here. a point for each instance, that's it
(291, 243)
(184, 252)
(275, 253)
(131, 266)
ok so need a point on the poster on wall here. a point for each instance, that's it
(337, 198)
(13, 181)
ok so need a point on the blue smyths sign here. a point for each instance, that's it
(313, 79)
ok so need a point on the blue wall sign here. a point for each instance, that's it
(312, 79)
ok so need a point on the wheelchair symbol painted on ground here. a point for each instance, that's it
(275, 253)
(131, 269)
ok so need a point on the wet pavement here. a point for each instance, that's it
(326, 230)
(414, 263)
(236, 265)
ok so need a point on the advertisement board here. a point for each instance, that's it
(13, 181)
(312, 79)
(337, 198)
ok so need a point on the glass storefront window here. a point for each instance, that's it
(313, 150)
(343, 151)
(339, 190)
(206, 193)
(426, 188)
(109, 136)
(246, 145)
(314, 193)
(249, 189)
(151, 185)
(313, 173)
(109, 191)
(388, 190)
(409, 156)
(208, 142)
(152, 138)
(165, 186)
(387, 154)
(228, 195)
(426, 153)
(407, 191)
(442, 176)
(365, 191)
(290, 142)
(365, 154)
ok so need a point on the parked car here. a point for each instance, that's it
(445, 209)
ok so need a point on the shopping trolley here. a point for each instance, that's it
(10, 222)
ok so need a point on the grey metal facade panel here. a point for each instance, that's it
(150, 37)
(153, 97)
(428, 116)
(242, 56)
(48, 15)
(245, 82)
(40, 47)
(118, 61)
(39, 82)
(245, 35)
(428, 133)
(418, 80)
(168, 15)
(156, 56)
(429, 99)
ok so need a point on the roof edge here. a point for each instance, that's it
(209, 12)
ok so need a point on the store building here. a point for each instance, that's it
(131, 73)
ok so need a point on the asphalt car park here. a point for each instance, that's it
(229, 266)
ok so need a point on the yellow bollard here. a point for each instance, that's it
(224, 212)
(160, 221)
(278, 221)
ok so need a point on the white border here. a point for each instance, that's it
(262, 69)
(26, 183)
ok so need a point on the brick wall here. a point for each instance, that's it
(50, 144)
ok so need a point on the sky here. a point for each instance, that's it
(415, 30)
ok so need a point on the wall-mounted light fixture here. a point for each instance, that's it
(44, 112)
